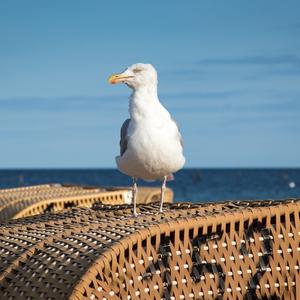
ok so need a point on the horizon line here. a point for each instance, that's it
(115, 168)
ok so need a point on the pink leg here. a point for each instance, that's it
(134, 195)
(162, 194)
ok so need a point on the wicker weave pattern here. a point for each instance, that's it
(29, 201)
(237, 250)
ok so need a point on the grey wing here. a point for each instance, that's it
(179, 134)
(124, 137)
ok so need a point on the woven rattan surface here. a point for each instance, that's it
(233, 250)
(28, 201)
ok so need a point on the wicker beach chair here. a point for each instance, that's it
(28, 201)
(232, 250)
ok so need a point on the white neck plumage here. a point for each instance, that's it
(149, 91)
(142, 100)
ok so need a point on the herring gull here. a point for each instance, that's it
(151, 145)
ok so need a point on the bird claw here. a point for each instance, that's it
(135, 215)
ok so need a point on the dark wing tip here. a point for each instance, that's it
(124, 137)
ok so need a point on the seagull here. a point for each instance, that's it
(151, 146)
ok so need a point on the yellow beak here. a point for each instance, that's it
(115, 78)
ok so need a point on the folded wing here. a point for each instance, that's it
(124, 137)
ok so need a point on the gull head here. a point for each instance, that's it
(136, 76)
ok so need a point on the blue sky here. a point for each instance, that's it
(229, 72)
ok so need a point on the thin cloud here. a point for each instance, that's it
(290, 59)
(273, 72)
(188, 101)
(202, 94)
(277, 66)
(239, 103)
(184, 72)
(75, 103)
(87, 103)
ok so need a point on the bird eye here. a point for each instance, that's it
(137, 70)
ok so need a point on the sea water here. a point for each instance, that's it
(195, 185)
